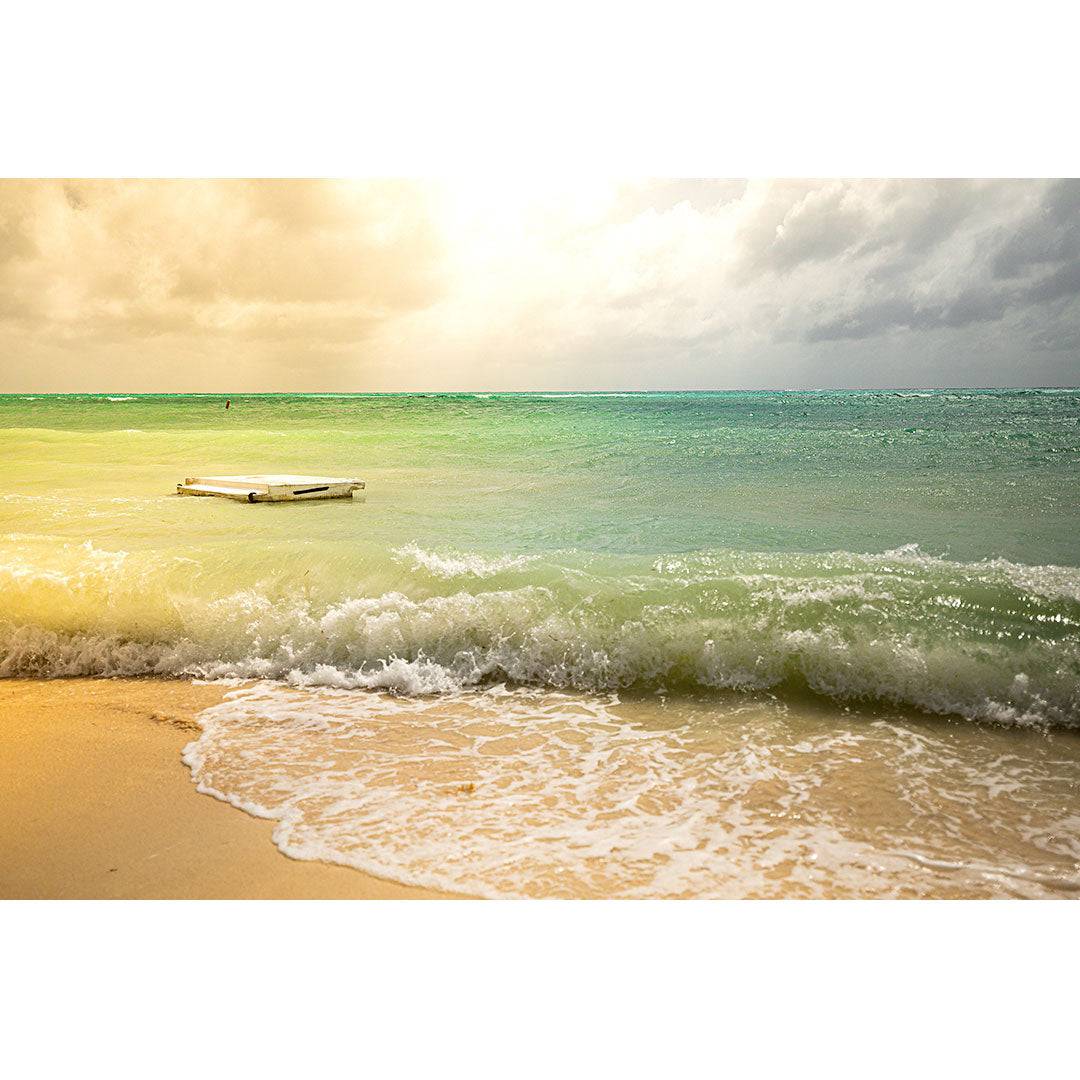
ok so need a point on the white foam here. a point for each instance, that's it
(462, 565)
(529, 793)
(845, 626)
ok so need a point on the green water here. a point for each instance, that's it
(914, 547)
(963, 474)
(671, 644)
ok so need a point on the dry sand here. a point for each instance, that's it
(95, 803)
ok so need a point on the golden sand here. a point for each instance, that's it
(96, 804)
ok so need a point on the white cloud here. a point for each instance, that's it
(505, 284)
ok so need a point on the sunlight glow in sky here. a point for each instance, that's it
(537, 283)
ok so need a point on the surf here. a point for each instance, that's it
(990, 641)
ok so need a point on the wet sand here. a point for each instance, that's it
(788, 801)
(95, 803)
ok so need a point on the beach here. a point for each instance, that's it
(632, 645)
(96, 804)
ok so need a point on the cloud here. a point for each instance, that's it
(1048, 234)
(218, 265)
(1026, 254)
(388, 284)
(731, 287)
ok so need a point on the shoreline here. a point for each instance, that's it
(95, 803)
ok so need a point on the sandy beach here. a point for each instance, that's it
(95, 803)
(676, 644)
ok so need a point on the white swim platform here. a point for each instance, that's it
(270, 488)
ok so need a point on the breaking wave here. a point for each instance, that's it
(989, 641)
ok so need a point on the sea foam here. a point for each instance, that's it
(991, 641)
(525, 792)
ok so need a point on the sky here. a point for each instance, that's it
(518, 283)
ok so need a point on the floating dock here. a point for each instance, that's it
(270, 488)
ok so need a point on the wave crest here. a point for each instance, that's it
(989, 641)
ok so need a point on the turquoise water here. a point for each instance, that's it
(722, 644)
(963, 474)
(914, 547)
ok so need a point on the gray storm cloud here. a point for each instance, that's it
(276, 285)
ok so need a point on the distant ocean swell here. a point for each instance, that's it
(989, 641)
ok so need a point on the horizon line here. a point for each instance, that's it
(541, 390)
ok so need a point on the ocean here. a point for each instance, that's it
(590, 644)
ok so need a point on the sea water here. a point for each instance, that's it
(698, 644)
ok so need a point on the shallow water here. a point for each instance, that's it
(537, 793)
(818, 570)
